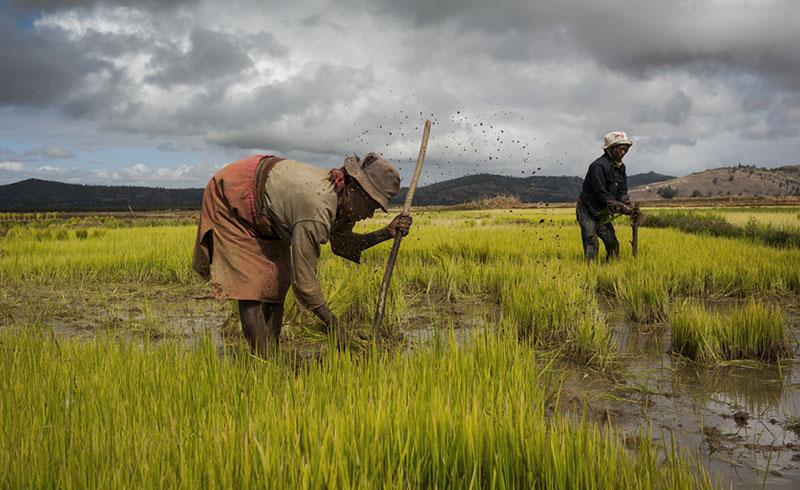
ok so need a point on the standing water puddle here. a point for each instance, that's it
(741, 420)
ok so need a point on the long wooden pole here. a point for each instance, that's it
(387, 275)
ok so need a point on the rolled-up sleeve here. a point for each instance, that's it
(347, 244)
(307, 236)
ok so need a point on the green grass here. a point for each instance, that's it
(110, 414)
(777, 230)
(526, 263)
(754, 331)
(156, 255)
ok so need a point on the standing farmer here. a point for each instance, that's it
(604, 192)
(263, 221)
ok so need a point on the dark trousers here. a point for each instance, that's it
(591, 228)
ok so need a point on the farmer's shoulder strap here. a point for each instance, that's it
(262, 221)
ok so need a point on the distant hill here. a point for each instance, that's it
(739, 181)
(526, 189)
(647, 178)
(43, 195)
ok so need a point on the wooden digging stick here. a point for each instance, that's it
(387, 275)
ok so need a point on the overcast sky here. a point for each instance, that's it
(165, 92)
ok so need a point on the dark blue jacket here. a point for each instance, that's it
(604, 181)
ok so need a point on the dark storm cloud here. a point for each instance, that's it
(48, 152)
(7, 155)
(113, 96)
(56, 5)
(113, 44)
(674, 111)
(638, 39)
(660, 144)
(39, 68)
(213, 55)
(56, 153)
(168, 147)
(279, 115)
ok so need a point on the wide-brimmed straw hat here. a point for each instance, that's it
(376, 176)
(615, 138)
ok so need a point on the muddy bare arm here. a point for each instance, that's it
(349, 245)
(335, 326)
(327, 317)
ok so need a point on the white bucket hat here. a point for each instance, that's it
(615, 138)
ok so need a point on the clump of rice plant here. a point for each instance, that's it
(644, 297)
(755, 331)
(716, 225)
(558, 314)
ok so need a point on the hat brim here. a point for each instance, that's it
(353, 168)
(617, 143)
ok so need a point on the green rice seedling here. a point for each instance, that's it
(558, 313)
(777, 231)
(645, 297)
(150, 325)
(107, 413)
(754, 331)
(694, 333)
(158, 255)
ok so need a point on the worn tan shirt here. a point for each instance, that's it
(302, 202)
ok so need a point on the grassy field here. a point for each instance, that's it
(109, 414)
(108, 409)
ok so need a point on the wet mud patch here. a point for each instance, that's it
(121, 310)
(738, 418)
(434, 319)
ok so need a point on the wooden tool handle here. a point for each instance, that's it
(418, 169)
(387, 275)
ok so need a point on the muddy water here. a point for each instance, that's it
(436, 321)
(737, 419)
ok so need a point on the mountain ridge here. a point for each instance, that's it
(43, 195)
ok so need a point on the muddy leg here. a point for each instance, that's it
(588, 232)
(609, 237)
(254, 326)
(273, 317)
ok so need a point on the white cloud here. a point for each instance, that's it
(13, 166)
(56, 152)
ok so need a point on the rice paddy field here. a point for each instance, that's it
(504, 360)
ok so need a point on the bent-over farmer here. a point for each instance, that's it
(604, 193)
(263, 221)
